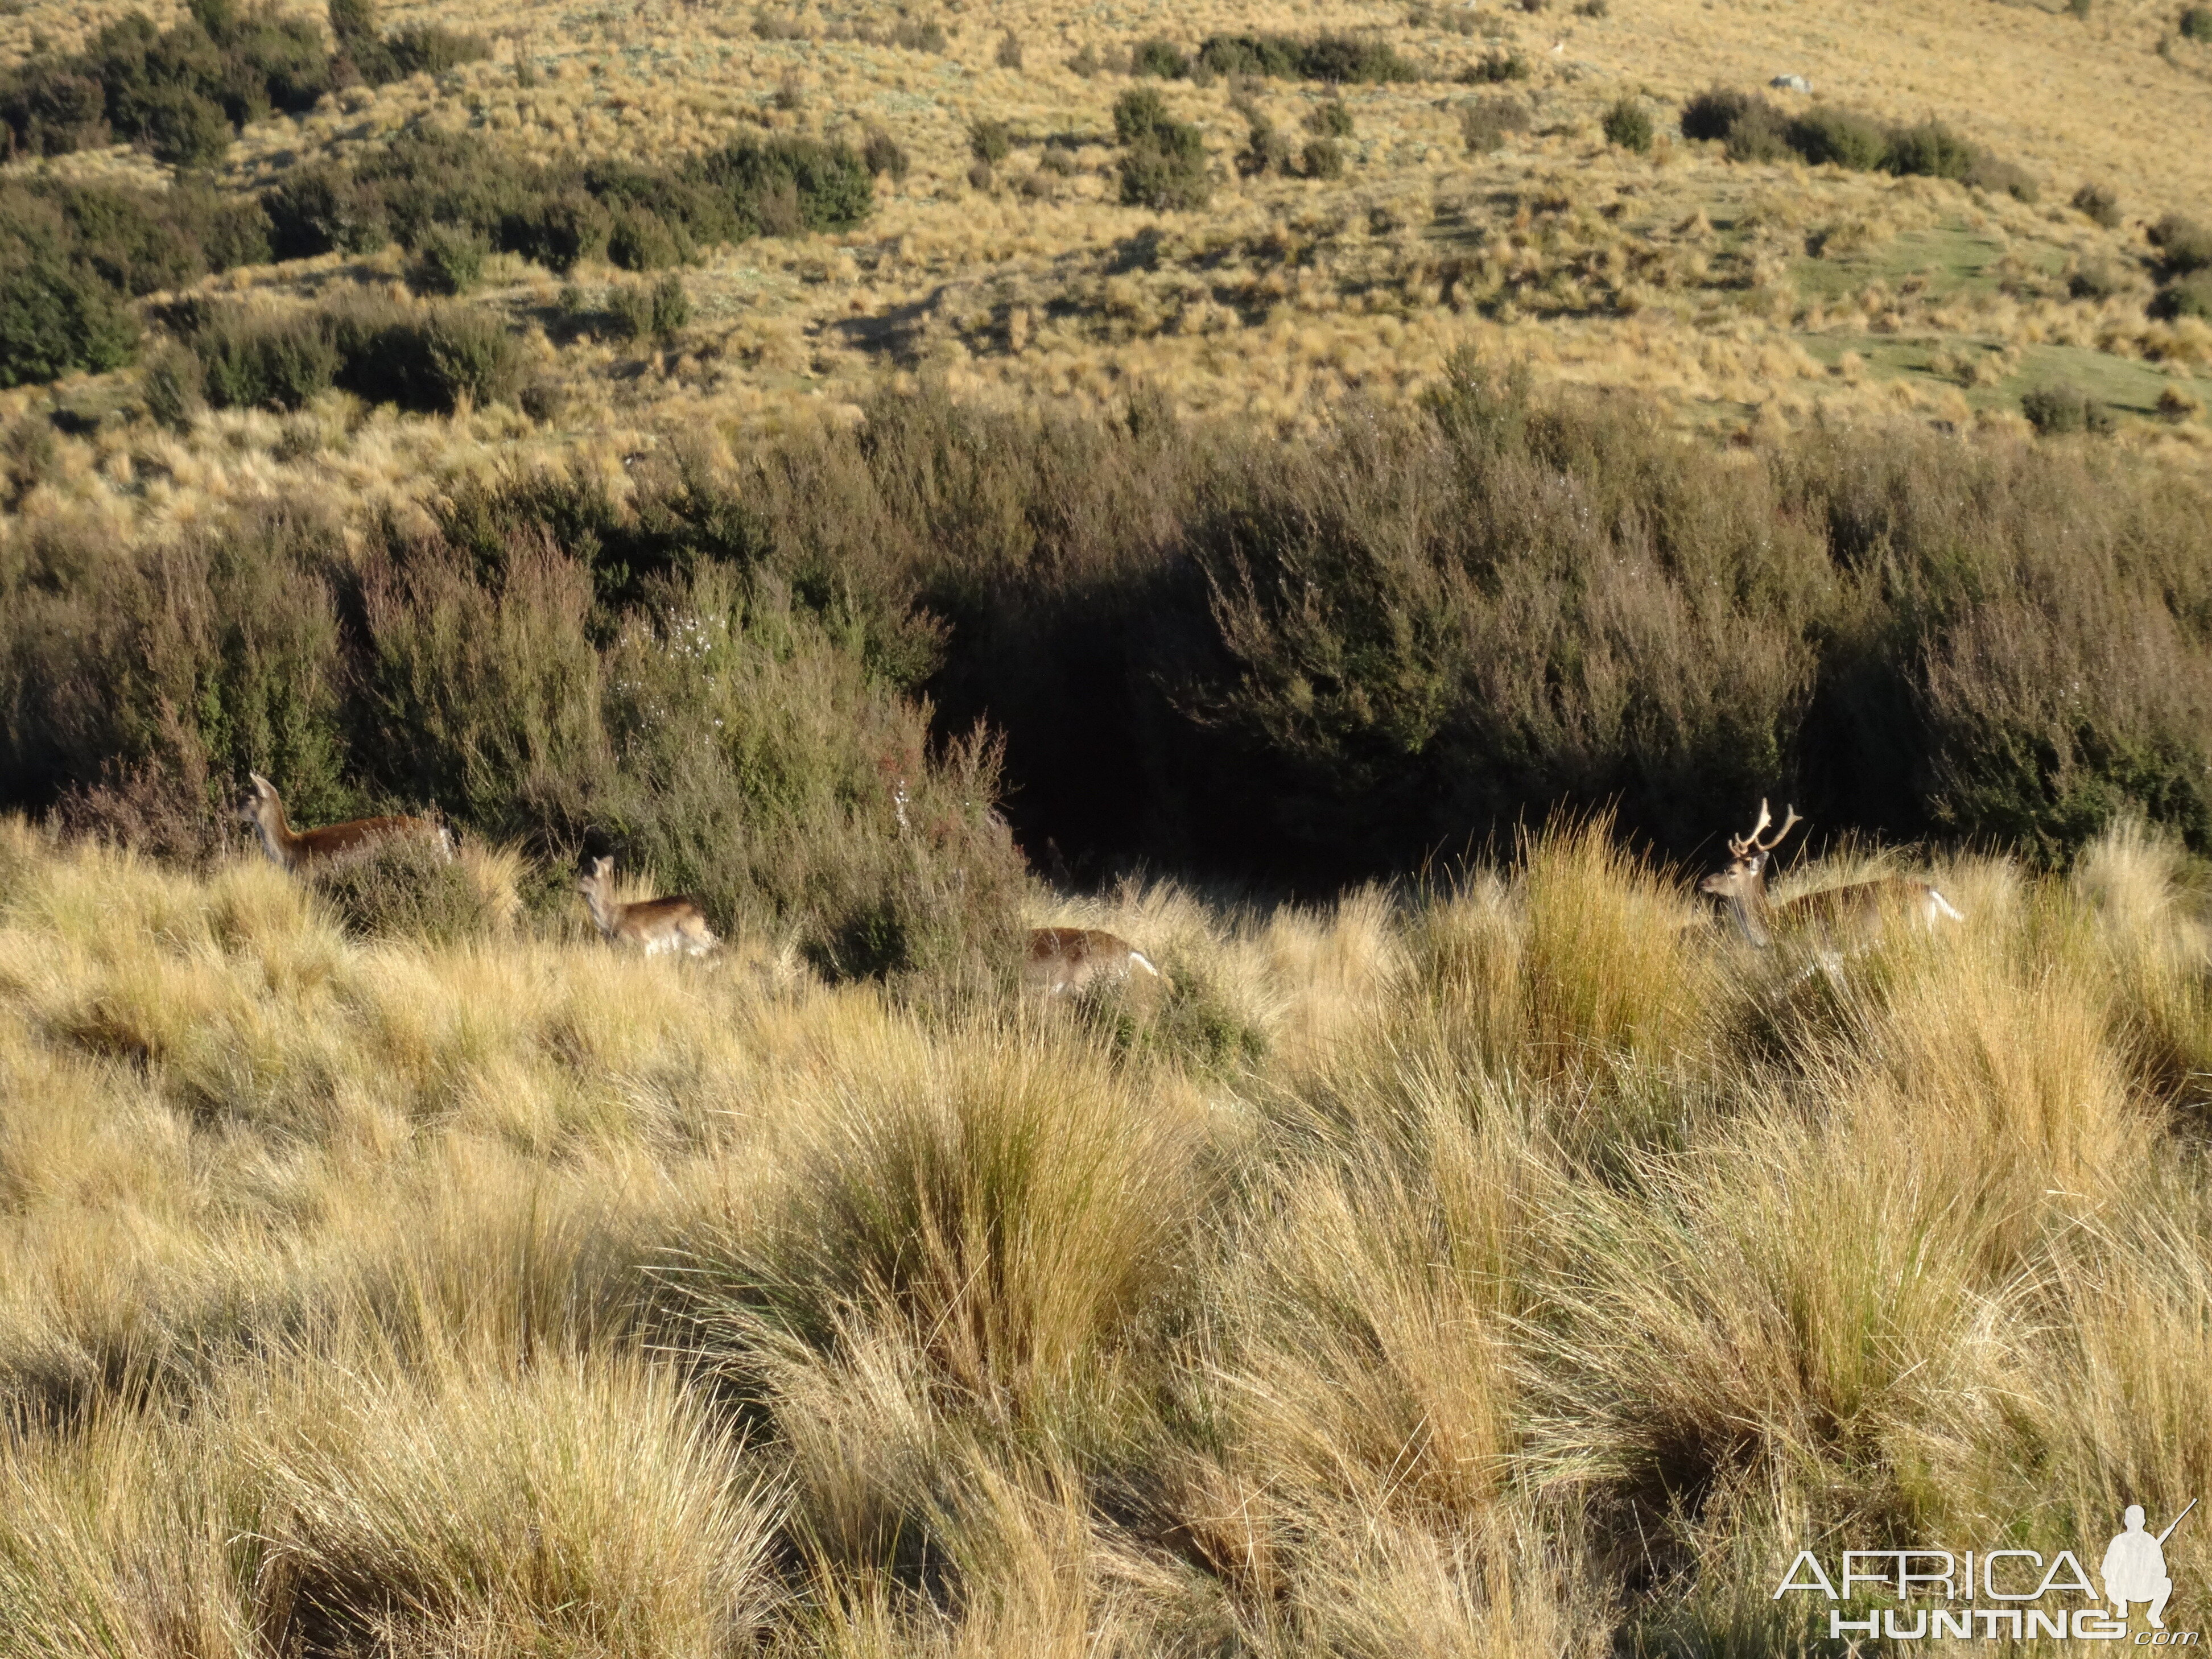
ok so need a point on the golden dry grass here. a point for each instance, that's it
(1548, 1268)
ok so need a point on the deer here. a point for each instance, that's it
(1067, 962)
(1856, 907)
(295, 849)
(655, 926)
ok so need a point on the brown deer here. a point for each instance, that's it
(295, 849)
(1833, 911)
(655, 926)
(1065, 962)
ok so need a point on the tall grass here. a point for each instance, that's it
(1551, 1267)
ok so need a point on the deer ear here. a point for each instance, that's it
(600, 866)
(261, 785)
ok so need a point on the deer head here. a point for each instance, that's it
(1744, 881)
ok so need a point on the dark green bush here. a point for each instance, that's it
(1322, 158)
(450, 261)
(2055, 410)
(2184, 245)
(1496, 66)
(2100, 202)
(317, 210)
(1841, 136)
(1713, 113)
(1930, 150)
(1155, 57)
(184, 129)
(1138, 114)
(990, 141)
(1330, 119)
(1295, 659)
(249, 362)
(56, 317)
(671, 308)
(1165, 169)
(1628, 125)
(2195, 23)
(641, 240)
(1485, 122)
(2095, 281)
(2189, 296)
(1334, 58)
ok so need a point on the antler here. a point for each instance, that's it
(1743, 845)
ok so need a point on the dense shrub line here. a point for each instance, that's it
(1754, 129)
(427, 181)
(431, 358)
(184, 91)
(71, 255)
(1328, 57)
(1311, 660)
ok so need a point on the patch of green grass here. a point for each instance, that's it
(2121, 384)
(1949, 260)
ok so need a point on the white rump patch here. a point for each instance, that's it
(1945, 906)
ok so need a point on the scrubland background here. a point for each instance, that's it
(1370, 569)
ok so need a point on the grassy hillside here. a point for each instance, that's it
(1512, 1267)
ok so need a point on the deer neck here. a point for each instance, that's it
(606, 915)
(1752, 913)
(277, 838)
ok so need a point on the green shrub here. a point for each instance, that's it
(2195, 23)
(464, 354)
(2055, 410)
(2101, 202)
(1628, 125)
(990, 141)
(671, 308)
(1333, 58)
(641, 240)
(249, 361)
(406, 887)
(1496, 66)
(2095, 281)
(1138, 114)
(184, 129)
(2189, 296)
(2004, 177)
(1713, 113)
(1485, 122)
(1760, 135)
(1930, 150)
(315, 210)
(1009, 54)
(1155, 57)
(1322, 158)
(174, 386)
(450, 261)
(55, 318)
(1330, 119)
(1166, 170)
(1840, 136)
(2184, 245)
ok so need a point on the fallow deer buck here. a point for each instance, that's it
(295, 849)
(1067, 962)
(1829, 914)
(655, 926)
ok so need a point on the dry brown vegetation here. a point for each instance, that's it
(1536, 1275)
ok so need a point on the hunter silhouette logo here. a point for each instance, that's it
(2002, 1595)
(2134, 1567)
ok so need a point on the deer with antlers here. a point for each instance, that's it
(1833, 910)
(654, 926)
(1067, 962)
(295, 849)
